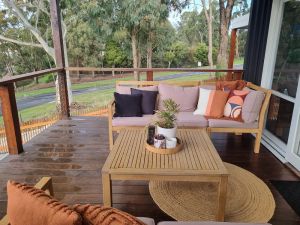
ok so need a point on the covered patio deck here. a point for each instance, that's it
(73, 152)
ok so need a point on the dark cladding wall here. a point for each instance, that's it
(257, 39)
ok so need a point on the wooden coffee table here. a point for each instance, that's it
(197, 162)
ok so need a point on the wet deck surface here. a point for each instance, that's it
(73, 152)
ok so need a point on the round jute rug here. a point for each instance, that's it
(248, 198)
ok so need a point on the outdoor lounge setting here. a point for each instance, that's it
(150, 112)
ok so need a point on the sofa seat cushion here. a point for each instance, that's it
(206, 223)
(132, 121)
(227, 123)
(188, 119)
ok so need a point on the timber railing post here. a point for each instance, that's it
(150, 75)
(11, 119)
(232, 52)
(59, 58)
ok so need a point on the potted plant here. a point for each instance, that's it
(166, 119)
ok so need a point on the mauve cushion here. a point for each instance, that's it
(148, 100)
(127, 89)
(229, 123)
(30, 206)
(185, 97)
(128, 105)
(252, 105)
(100, 215)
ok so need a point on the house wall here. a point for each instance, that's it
(257, 39)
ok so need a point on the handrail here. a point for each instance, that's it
(90, 69)
(25, 76)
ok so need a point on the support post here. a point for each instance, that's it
(11, 119)
(59, 58)
(232, 52)
(149, 75)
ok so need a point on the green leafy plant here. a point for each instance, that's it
(166, 118)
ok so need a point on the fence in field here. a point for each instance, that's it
(32, 128)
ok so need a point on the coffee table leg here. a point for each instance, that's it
(222, 191)
(107, 195)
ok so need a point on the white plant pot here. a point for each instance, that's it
(168, 133)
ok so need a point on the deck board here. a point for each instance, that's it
(74, 151)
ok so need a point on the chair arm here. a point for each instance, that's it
(111, 109)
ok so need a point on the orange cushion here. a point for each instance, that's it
(230, 85)
(101, 215)
(211, 103)
(30, 206)
(216, 104)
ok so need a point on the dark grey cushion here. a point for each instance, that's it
(148, 100)
(128, 105)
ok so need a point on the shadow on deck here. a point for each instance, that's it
(73, 152)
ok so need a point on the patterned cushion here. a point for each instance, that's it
(28, 205)
(100, 215)
(211, 103)
(233, 107)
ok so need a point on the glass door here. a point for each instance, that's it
(281, 74)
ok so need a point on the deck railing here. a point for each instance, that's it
(9, 105)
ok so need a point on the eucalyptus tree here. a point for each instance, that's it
(31, 17)
(134, 18)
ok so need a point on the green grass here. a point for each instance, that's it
(238, 61)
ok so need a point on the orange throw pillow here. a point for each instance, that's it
(30, 206)
(211, 103)
(230, 85)
(101, 215)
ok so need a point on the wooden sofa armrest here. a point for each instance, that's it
(111, 109)
(44, 184)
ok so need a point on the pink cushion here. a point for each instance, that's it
(126, 89)
(231, 124)
(252, 106)
(132, 121)
(186, 97)
(188, 119)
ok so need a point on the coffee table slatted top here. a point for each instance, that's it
(198, 156)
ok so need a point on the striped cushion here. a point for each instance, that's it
(211, 103)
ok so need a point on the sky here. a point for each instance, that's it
(174, 17)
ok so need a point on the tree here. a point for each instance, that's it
(29, 16)
(209, 20)
(114, 55)
(225, 17)
(201, 54)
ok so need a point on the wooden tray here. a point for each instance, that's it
(165, 151)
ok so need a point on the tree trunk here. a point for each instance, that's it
(169, 64)
(237, 54)
(149, 49)
(135, 57)
(225, 17)
(208, 16)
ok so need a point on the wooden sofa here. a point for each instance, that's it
(46, 185)
(257, 130)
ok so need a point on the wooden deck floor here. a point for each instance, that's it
(73, 152)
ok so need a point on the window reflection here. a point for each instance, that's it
(279, 117)
(287, 66)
